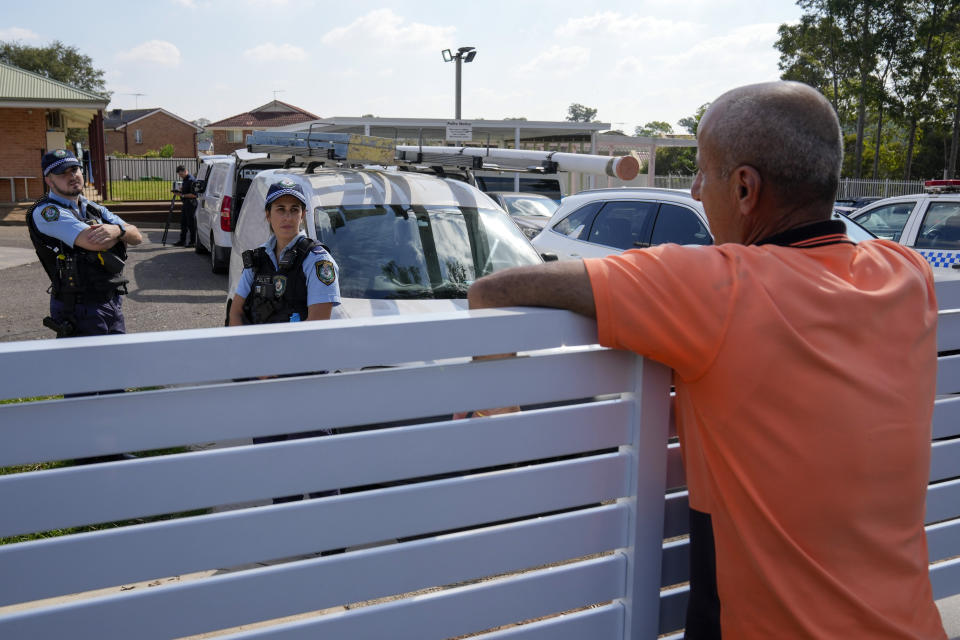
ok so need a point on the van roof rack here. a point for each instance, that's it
(359, 150)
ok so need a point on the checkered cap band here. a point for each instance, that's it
(73, 162)
(296, 193)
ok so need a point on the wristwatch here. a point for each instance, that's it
(123, 230)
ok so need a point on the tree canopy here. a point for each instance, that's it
(654, 129)
(891, 70)
(576, 112)
(56, 61)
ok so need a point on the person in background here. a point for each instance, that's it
(188, 209)
(807, 472)
(82, 247)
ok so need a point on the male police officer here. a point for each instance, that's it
(188, 209)
(82, 247)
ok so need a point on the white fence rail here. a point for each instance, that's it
(549, 523)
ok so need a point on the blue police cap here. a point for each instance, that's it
(285, 187)
(58, 161)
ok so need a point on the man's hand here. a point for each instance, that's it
(98, 237)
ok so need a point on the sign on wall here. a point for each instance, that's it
(459, 131)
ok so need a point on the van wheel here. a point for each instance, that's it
(217, 266)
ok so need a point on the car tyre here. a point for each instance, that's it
(217, 266)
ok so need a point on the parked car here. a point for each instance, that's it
(405, 241)
(928, 222)
(856, 203)
(531, 211)
(550, 185)
(597, 223)
(222, 183)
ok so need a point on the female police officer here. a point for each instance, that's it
(302, 284)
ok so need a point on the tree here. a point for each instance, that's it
(58, 62)
(576, 112)
(654, 129)
(201, 122)
(691, 123)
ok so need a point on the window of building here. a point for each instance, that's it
(234, 135)
(138, 136)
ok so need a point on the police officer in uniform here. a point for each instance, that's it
(302, 285)
(82, 247)
(188, 209)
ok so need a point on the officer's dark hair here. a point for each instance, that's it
(180, 168)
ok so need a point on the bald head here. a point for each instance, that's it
(785, 130)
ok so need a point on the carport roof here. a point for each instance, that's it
(431, 128)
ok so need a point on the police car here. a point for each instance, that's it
(928, 222)
(405, 241)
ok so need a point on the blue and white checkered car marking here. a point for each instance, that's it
(944, 259)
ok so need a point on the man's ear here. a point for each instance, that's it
(747, 182)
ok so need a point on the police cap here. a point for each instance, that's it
(58, 161)
(285, 187)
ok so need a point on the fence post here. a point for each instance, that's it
(648, 449)
(109, 173)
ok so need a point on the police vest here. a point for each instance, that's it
(76, 274)
(277, 292)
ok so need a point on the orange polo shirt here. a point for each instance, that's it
(805, 372)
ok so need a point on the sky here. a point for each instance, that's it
(633, 61)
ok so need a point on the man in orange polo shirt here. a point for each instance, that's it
(804, 366)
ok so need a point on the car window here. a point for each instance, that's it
(888, 221)
(577, 224)
(218, 179)
(395, 252)
(941, 227)
(523, 206)
(623, 225)
(679, 224)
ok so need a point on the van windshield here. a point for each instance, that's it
(399, 251)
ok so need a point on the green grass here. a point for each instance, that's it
(126, 190)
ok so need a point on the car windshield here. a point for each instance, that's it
(400, 251)
(527, 206)
(855, 231)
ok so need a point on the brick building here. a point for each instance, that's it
(136, 131)
(35, 113)
(231, 133)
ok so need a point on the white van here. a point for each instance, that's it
(405, 241)
(222, 183)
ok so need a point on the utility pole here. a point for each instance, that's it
(463, 55)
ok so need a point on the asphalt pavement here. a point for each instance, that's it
(170, 287)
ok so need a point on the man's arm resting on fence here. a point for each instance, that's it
(560, 285)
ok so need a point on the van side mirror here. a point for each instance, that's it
(199, 186)
(549, 257)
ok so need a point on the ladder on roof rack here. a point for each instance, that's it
(373, 150)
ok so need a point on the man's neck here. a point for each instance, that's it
(60, 196)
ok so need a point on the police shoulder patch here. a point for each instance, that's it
(50, 213)
(325, 272)
(318, 248)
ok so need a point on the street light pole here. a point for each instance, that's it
(463, 55)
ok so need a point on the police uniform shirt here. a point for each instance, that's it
(316, 269)
(61, 219)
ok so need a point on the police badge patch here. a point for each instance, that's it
(287, 183)
(325, 272)
(279, 285)
(50, 213)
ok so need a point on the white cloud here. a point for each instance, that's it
(270, 52)
(634, 28)
(158, 52)
(557, 60)
(17, 33)
(740, 50)
(383, 28)
(629, 66)
(190, 4)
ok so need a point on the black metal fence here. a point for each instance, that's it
(144, 178)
